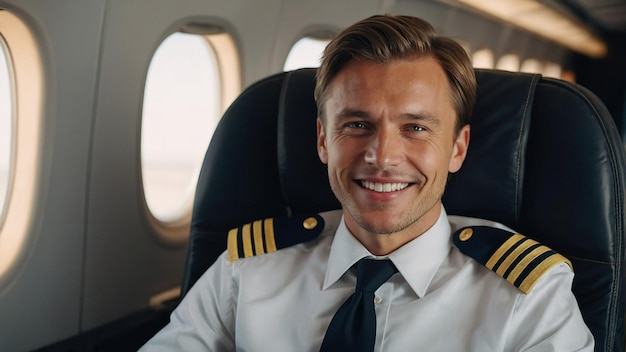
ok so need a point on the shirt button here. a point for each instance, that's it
(377, 300)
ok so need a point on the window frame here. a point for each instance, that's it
(223, 46)
(26, 67)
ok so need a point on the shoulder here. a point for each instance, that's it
(270, 235)
(520, 260)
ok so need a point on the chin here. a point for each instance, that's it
(381, 226)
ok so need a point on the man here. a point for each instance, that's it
(394, 100)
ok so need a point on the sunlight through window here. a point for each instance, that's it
(6, 125)
(552, 69)
(531, 66)
(307, 52)
(182, 105)
(21, 104)
(508, 62)
(483, 58)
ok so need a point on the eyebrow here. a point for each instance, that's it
(347, 113)
(428, 118)
(424, 117)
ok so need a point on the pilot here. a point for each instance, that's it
(389, 271)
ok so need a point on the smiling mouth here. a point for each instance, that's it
(384, 187)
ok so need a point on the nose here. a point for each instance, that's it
(384, 149)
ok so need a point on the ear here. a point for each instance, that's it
(322, 151)
(459, 149)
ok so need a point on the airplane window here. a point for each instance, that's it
(508, 62)
(6, 130)
(21, 104)
(552, 69)
(483, 58)
(182, 105)
(531, 66)
(306, 52)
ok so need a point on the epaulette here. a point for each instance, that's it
(269, 235)
(515, 257)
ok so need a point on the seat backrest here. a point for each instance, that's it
(545, 158)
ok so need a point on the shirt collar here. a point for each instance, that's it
(417, 260)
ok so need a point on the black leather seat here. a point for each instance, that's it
(545, 158)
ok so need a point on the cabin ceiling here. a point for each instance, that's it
(605, 16)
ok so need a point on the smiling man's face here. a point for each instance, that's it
(389, 140)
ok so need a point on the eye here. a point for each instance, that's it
(415, 128)
(356, 125)
(356, 128)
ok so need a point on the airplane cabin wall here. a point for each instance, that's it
(40, 298)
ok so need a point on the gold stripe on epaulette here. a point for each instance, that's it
(257, 230)
(233, 251)
(270, 241)
(495, 258)
(517, 271)
(253, 238)
(246, 237)
(520, 244)
(541, 269)
(508, 261)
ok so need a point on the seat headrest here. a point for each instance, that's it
(491, 178)
(262, 162)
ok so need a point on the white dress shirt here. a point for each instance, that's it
(440, 300)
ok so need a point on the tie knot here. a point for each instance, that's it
(370, 273)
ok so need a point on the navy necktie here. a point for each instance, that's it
(353, 328)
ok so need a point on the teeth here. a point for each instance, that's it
(384, 187)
